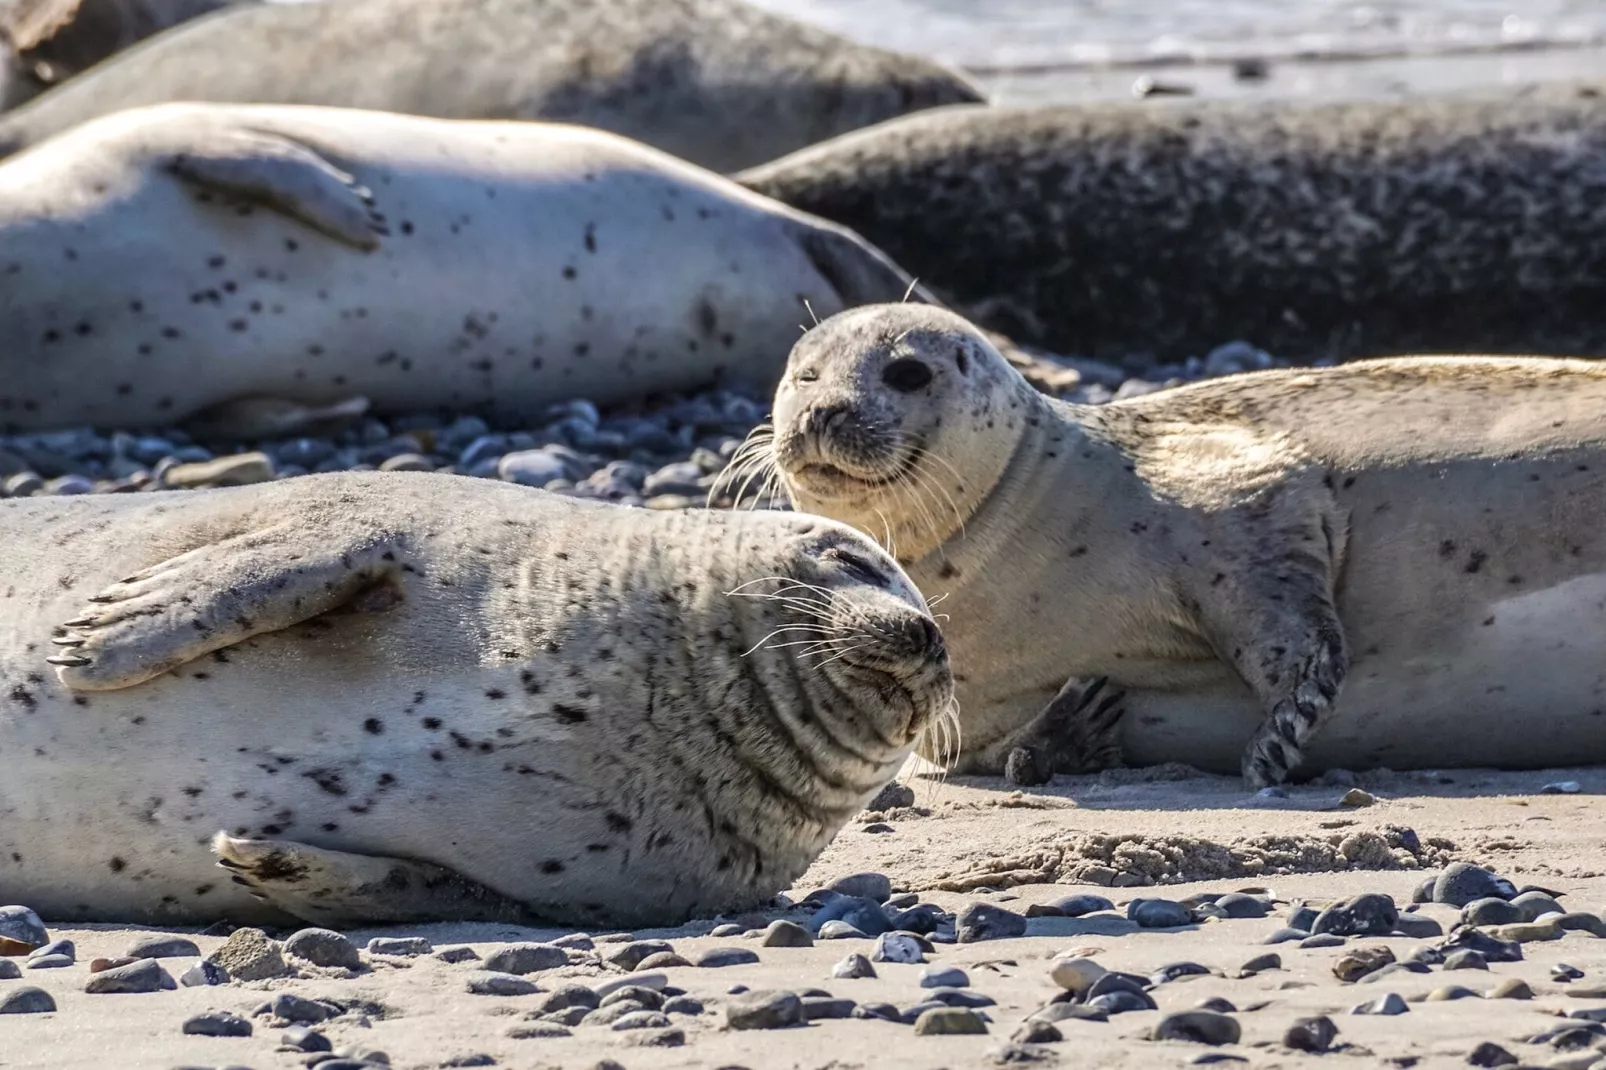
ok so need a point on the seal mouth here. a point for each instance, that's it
(831, 479)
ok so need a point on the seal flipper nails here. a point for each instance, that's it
(69, 660)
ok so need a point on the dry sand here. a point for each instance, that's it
(958, 842)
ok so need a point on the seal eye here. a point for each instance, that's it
(857, 567)
(906, 376)
(808, 375)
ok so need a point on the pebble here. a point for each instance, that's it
(949, 1021)
(650, 998)
(1074, 906)
(292, 1008)
(27, 1000)
(1359, 962)
(923, 919)
(1418, 927)
(817, 1008)
(630, 955)
(1076, 974)
(9, 970)
(1311, 1034)
(457, 954)
(538, 1031)
(894, 796)
(1462, 883)
(644, 980)
(983, 921)
(612, 1012)
(873, 886)
(163, 947)
(1490, 1054)
(21, 931)
(1286, 935)
(204, 974)
(898, 947)
(885, 1012)
(1390, 1004)
(1122, 1001)
(1479, 940)
(783, 933)
(302, 1039)
(248, 955)
(1198, 1027)
(663, 960)
(1491, 911)
(1536, 904)
(1364, 915)
(146, 975)
(841, 930)
(1219, 1004)
(683, 1005)
(49, 962)
(853, 968)
(1511, 988)
(1262, 963)
(400, 946)
(1158, 914)
(55, 949)
(1037, 1031)
(570, 995)
(500, 984)
(1448, 993)
(717, 957)
(641, 1020)
(943, 977)
(1321, 940)
(727, 929)
(1239, 905)
(959, 997)
(764, 1010)
(236, 471)
(1176, 970)
(217, 1024)
(521, 959)
(1355, 798)
(96, 965)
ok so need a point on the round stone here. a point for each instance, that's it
(49, 962)
(1534, 905)
(764, 1010)
(1198, 1027)
(1511, 988)
(292, 1008)
(1447, 993)
(500, 984)
(894, 796)
(1311, 1034)
(1466, 959)
(983, 921)
(650, 998)
(538, 1031)
(841, 930)
(1360, 961)
(9, 971)
(1389, 1004)
(305, 1040)
(949, 1021)
(400, 946)
(853, 968)
(1158, 914)
(1491, 911)
(641, 1020)
(944, 977)
(21, 931)
(683, 1005)
(782, 933)
(521, 959)
(875, 886)
(1239, 905)
(163, 947)
(1074, 906)
(146, 975)
(1075, 974)
(819, 1008)
(897, 947)
(1037, 1031)
(1261, 963)
(1462, 883)
(663, 960)
(28, 1000)
(718, 957)
(217, 1024)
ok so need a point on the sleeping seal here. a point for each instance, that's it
(171, 259)
(1394, 562)
(718, 82)
(421, 697)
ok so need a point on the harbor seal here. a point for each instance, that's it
(170, 259)
(421, 697)
(1396, 562)
(718, 82)
(1143, 231)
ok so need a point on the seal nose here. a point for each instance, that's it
(823, 419)
(927, 638)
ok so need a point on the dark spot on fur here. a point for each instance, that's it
(1447, 548)
(373, 726)
(431, 723)
(117, 864)
(618, 822)
(552, 865)
(1476, 560)
(495, 693)
(568, 714)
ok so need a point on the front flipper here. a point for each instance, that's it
(218, 595)
(338, 889)
(1075, 733)
(285, 175)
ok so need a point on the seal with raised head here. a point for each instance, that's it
(718, 82)
(170, 259)
(1397, 562)
(395, 696)
(1143, 230)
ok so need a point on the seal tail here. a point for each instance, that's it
(860, 273)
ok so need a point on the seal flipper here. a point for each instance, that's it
(1075, 733)
(336, 888)
(215, 596)
(287, 176)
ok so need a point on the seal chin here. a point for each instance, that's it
(906, 673)
(841, 478)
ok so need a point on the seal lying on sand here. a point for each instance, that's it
(424, 697)
(1395, 562)
(172, 258)
(1353, 229)
(52, 40)
(717, 82)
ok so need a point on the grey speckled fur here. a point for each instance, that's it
(1453, 224)
(718, 82)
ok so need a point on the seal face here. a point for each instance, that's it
(165, 261)
(1353, 566)
(399, 697)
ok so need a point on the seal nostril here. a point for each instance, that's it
(826, 418)
(906, 376)
(931, 635)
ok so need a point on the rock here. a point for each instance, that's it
(717, 957)
(1059, 1012)
(1321, 940)
(863, 914)
(782, 933)
(146, 975)
(293, 1008)
(764, 1010)
(1176, 970)
(21, 931)
(1491, 911)
(248, 955)
(521, 959)
(323, 947)
(55, 949)
(1158, 914)
(49, 962)
(663, 960)
(1311, 1034)
(728, 929)
(1479, 940)
(629, 956)
(302, 1039)
(1286, 935)
(1122, 1001)
(204, 974)
(1364, 915)
(1303, 917)
(983, 921)
(819, 1008)
(1037, 1031)
(532, 468)
(642, 980)
(894, 796)
(683, 1005)
(1534, 905)
(500, 984)
(650, 998)
(1449, 993)
(923, 919)
(9, 971)
(570, 995)
(1390, 1004)
(641, 1020)
(949, 1021)
(959, 997)
(538, 1031)
(1355, 798)
(874, 886)
(1262, 963)
(1490, 1054)
(1198, 1027)
(1462, 883)
(1361, 961)
(27, 1000)
(574, 942)
(1393, 969)
(1511, 988)
(1427, 956)
(457, 954)
(1579, 920)
(610, 1013)
(217, 1024)
(841, 930)
(853, 968)
(1218, 1004)
(236, 471)
(898, 947)
(1526, 932)
(401, 946)
(944, 977)
(163, 947)
(1239, 905)
(1075, 974)
(1074, 906)
(1418, 927)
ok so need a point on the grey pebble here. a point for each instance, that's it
(1239, 905)
(297, 1009)
(949, 1021)
(523, 959)
(1303, 917)
(897, 947)
(27, 1000)
(863, 914)
(1219, 1004)
(943, 977)
(683, 1005)
(630, 955)
(323, 947)
(9, 970)
(568, 1016)
(873, 886)
(1449, 993)
(1492, 911)
(1490, 1054)
(640, 1020)
(1321, 940)
(612, 1012)
(1418, 927)
(783, 933)
(643, 980)
(727, 929)
(923, 919)
(959, 997)
(840, 930)
(217, 1024)
(718, 957)
(146, 975)
(650, 998)
(300, 1038)
(1037, 1031)
(1390, 1003)
(1074, 906)
(1122, 1001)
(1492, 948)
(1261, 963)
(49, 962)
(1158, 914)
(163, 947)
(1462, 883)
(1286, 935)
(885, 1012)
(538, 1031)
(853, 968)
(203, 974)
(500, 984)
(58, 949)
(1535, 904)
(983, 921)
(457, 954)
(574, 995)
(401, 946)
(1311, 1034)
(1370, 914)
(19, 925)
(1170, 972)
(901, 901)
(816, 1008)
(764, 1010)
(1198, 1027)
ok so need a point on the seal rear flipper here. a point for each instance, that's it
(286, 176)
(338, 889)
(220, 594)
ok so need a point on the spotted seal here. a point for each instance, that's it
(717, 82)
(405, 696)
(1395, 562)
(1469, 221)
(166, 260)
